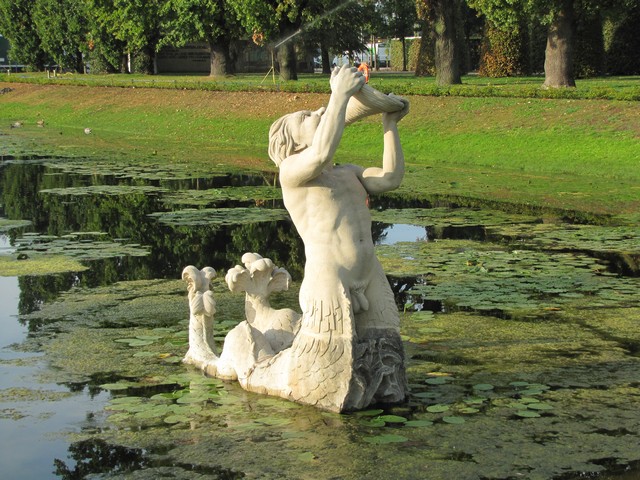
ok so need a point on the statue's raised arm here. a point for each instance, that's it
(305, 142)
(389, 177)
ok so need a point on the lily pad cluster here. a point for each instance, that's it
(184, 401)
(212, 196)
(442, 217)
(507, 282)
(104, 190)
(6, 225)
(219, 216)
(80, 245)
(122, 170)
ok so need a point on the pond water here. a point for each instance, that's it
(521, 334)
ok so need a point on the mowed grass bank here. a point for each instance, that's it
(577, 155)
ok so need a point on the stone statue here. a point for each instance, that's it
(202, 306)
(345, 351)
(259, 279)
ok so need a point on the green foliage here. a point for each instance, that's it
(138, 23)
(589, 49)
(622, 42)
(18, 26)
(61, 27)
(502, 51)
(412, 47)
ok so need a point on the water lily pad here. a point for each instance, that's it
(437, 380)
(172, 419)
(372, 423)
(483, 387)
(469, 410)
(153, 411)
(392, 419)
(145, 354)
(192, 398)
(526, 414)
(437, 408)
(418, 423)
(453, 420)
(119, 417)
(369, 413)
(219, 216)
(125, 400)
(116, 386)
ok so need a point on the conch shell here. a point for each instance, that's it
(369, 101)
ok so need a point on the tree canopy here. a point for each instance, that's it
(583, 37)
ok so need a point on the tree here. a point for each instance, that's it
(560, 17)
(502, 51)
(276, 21)
(138, 23)
(61, 27)
(283, 23)
(559, 54)
(17, 25)
(107, 53)
(444, 18)
(622, 42)
(343, 28)
(400, 19)
(213, 21)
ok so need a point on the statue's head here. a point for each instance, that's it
(292, 133)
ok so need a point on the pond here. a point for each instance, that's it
(520, 330)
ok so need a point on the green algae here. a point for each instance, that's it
(141, 303)
(21, 394)
(538, 399)
(14, 266)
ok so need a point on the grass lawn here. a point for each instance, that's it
(574, 154)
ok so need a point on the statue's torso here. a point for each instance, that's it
(333, 219)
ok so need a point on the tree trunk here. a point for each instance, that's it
(404, 54)
(124, 63)
(79, 63)
(326, 62)
(447, 47)
(286, 55)
(147, 60)
(558, 60)
(219, 58)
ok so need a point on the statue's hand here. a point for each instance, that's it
(398, 115)
(346, 80)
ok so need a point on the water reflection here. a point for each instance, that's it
(95, 456)
(402, 233)
(124, 217)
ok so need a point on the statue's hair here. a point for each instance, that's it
(281, 141)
